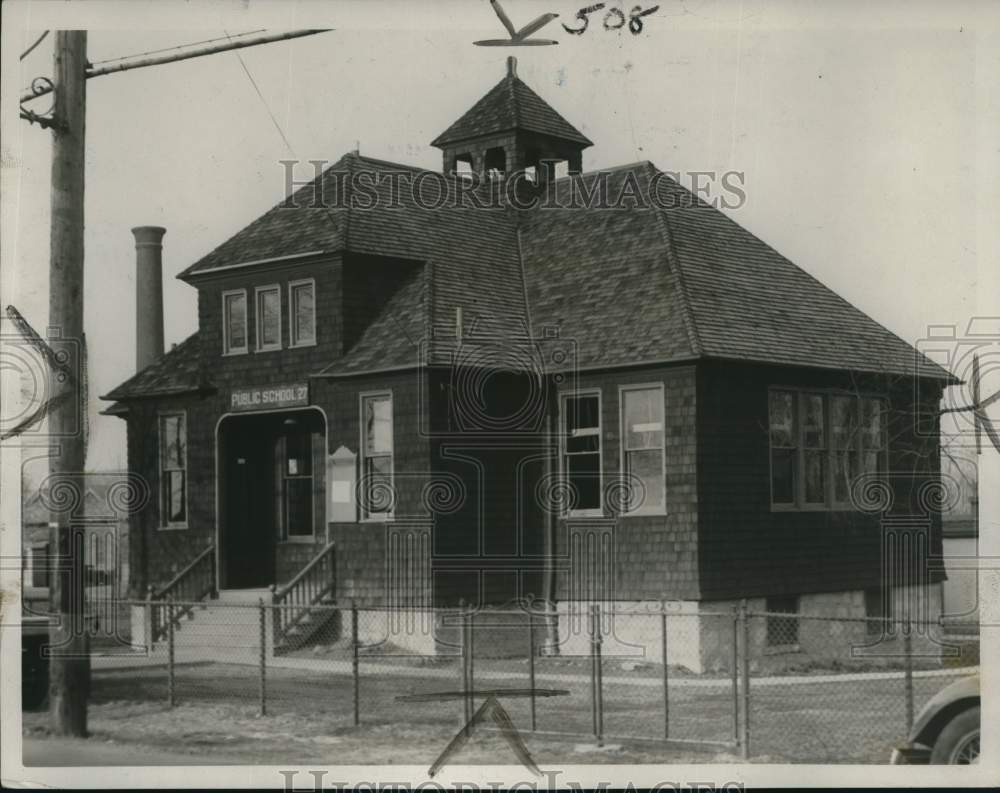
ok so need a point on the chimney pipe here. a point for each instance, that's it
(148, 294)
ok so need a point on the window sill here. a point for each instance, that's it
(299, 540)
(377, 519)
(235, 353)
(267, 349)
(583, 513)
(301, 345)
(173, 527)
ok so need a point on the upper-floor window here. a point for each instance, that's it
(173, 470)
(581, 450)
(268, 317)
(643, 450)
(302, 313)
(377, 491)
(820, 443)
(234, 322)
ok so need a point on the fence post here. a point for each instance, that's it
(908, 673)
(171, 694)
(596, 673)
(666, 670)
(263, 657)
(149, 624)
(745, 736)
(735, 668)
(531, 665)
(466, 651)
(355, 663)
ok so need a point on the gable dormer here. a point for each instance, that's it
(511, 129)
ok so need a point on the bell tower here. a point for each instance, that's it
(511, 129)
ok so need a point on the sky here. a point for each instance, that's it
(867, 132)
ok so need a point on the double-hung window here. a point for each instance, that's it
(268, 299)
(302, 313)
(820, 443)
(234, 322)
(643, 450)
(173, 470)
(377, 490)
(581, 451)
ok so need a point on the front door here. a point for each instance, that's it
(248, 528)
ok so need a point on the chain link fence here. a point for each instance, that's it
(763, 686)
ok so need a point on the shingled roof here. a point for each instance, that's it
(179, 371)
(627, 286)
(510, 105)
(678, 279)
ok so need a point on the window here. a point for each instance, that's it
(643, 448)
(820, 443)
(872, 436)
(495, 162)
(234, 322)
(173, 470)
(295, 453)
(302, 313)
(784, 447)
(268, 318)
(844, 438)
(463, 166)
(581, 451)
(813, 449)
(377, 495)
(782, 631)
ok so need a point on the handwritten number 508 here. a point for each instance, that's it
(614, 19)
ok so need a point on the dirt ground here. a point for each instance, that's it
(310, 718)
(230, 734)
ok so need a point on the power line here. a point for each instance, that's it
(267, 107)
(27, 52)
(291, 150)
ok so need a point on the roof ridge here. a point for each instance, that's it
(673, 262)
(512, 81)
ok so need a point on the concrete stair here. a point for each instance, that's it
(225, 627)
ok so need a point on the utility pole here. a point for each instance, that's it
(69, 667)
(69, 661)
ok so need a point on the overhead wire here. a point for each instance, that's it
(291, 150)
(38, 41)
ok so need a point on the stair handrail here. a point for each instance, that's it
(282, 593)
(189, 574)
(298, 597)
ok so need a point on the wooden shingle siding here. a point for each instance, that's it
(361, 556)
(278, 366)
(656, 556)
(748, 549)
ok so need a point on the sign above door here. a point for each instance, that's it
(271, 397)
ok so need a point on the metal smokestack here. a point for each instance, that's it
(148, 294)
